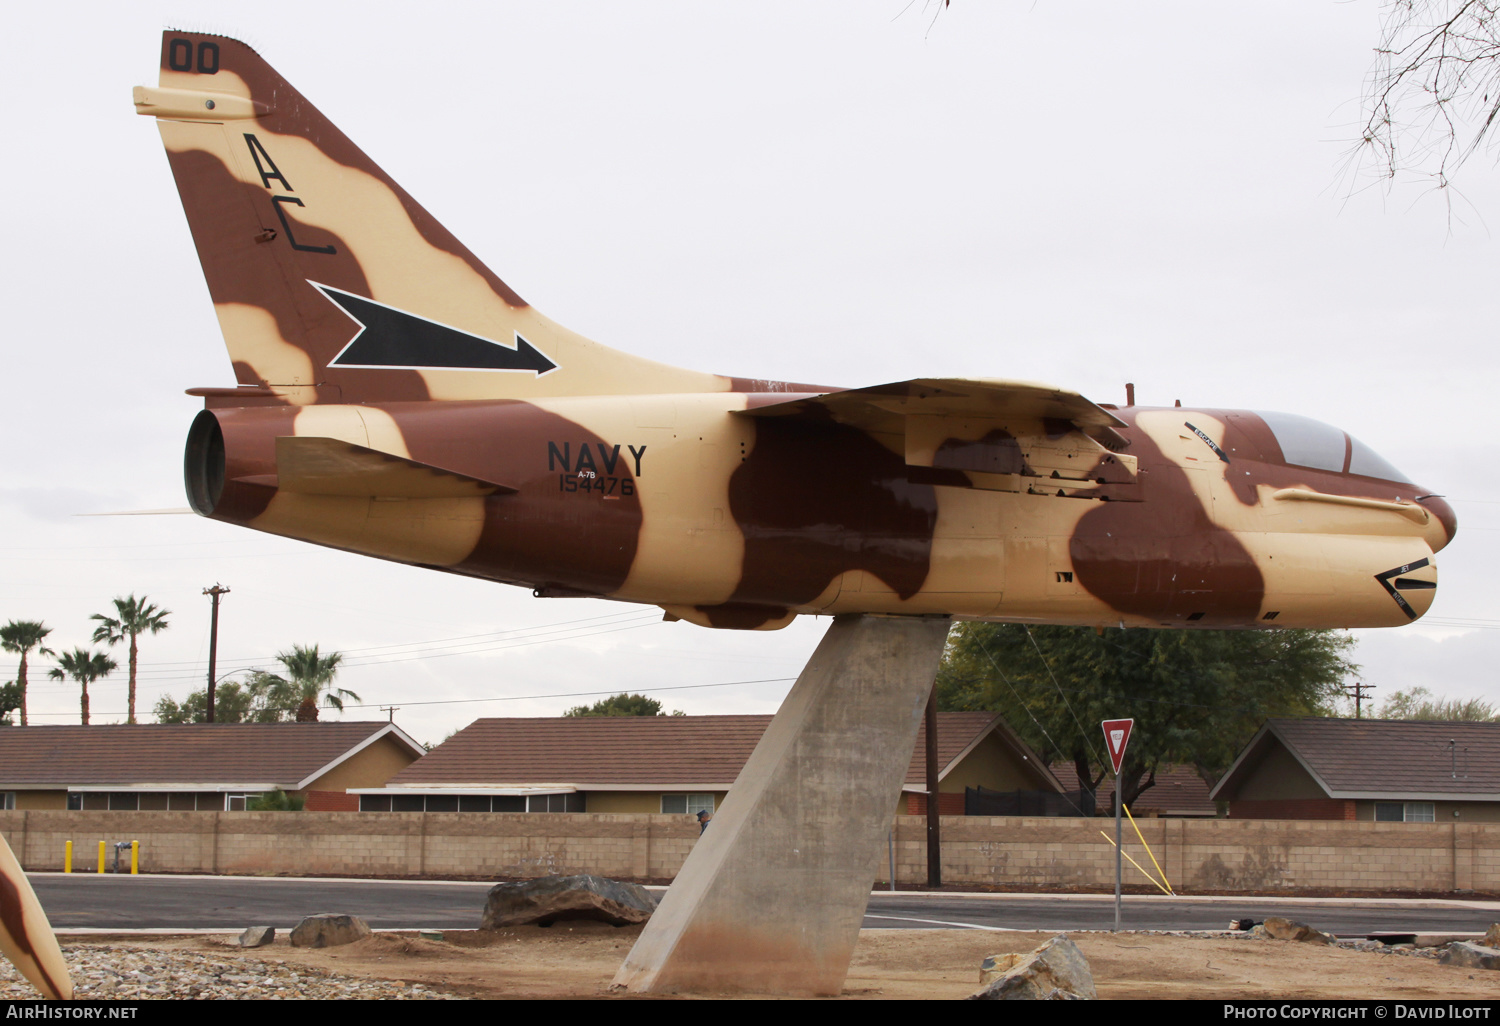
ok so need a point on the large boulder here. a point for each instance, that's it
(1278, 928)
(550, 899)
(1469, 955)
(1056, 971)
(328, 930)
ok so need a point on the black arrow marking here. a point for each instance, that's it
(1385, 582)
(1207, 441)
(392, 338)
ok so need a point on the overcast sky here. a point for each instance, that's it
(847, 192)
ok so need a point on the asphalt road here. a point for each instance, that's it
(92, 902)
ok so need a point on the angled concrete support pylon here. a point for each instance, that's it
(771, 898)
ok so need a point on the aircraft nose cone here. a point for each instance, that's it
(1444, 515)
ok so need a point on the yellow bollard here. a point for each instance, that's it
(101, 856)
(68, 857)
(135, 858)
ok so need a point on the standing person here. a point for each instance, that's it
(703, 817)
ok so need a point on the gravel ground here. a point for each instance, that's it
(122, 973)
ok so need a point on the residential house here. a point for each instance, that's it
(1412, 771)
(197, 766)
(664, 764)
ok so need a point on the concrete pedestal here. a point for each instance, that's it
(771, 899)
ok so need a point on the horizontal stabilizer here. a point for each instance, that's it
(328, 466)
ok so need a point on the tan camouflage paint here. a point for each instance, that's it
(726, 502)
(26, 937)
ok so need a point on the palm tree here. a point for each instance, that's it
(21, 636)
(136, 616)
(85, 667)
(309, 679)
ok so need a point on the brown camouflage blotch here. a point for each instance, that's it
(250, 451)
(1120, 552)
(815, 500)
(292, 114)
(742, 616)
(226, 215)
(540, 535)
(13, 921)
(998, 452)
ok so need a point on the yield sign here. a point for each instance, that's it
(1116, 737)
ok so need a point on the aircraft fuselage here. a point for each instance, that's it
(690, 502)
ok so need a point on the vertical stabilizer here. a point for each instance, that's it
(332, 284)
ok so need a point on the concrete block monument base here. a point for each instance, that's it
(771, 899)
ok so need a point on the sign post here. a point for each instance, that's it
(1116, 737)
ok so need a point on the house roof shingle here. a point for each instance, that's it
(207, 754)
(1383, 758)
(619, 751)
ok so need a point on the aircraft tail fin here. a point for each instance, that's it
(330, 282)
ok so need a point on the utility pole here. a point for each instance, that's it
(391, 709)
(934, 839)
(1358, 691)
(213, 646)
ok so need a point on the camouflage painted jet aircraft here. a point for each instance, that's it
(396, 398)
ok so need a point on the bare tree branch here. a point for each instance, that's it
(1432, 97)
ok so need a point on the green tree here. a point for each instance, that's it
(275, 800)
(622, 705)
(10, 701)
(20, 637)
(1422, 704)
(234, 702)
(136, 616)
(85, 667)
(308, 681)
(1196, 696)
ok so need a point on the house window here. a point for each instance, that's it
(689, 804)
(236, 802)
(8, 800)
(555, 803)
(1404, 812)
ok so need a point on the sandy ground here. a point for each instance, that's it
(579, 962)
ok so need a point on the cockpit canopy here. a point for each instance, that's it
(1310, 443)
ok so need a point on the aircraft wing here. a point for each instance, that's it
(951, 396)
(328, 466)
(998, 433)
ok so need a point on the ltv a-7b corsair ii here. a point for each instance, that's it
(395, 398)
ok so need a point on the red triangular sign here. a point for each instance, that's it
(1116, 737)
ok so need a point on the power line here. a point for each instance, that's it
(520, 698)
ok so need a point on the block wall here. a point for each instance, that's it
(1197, 855)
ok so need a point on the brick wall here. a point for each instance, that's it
(1293, 808)
(1197, 855)
(330, 801)
(949, 804)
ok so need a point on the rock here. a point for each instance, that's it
(328, 930)
(550, 899)
(1278, 928)
(1056, 971)
(1468, 955)
(1491, 938)
(257, 936)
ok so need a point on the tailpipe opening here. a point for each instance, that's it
(203, 464)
